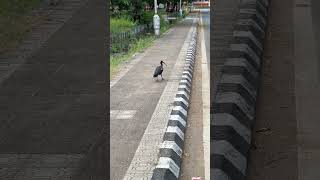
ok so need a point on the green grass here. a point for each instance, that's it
(139, 45)
(14, 21)
(164, 26)
(117, 59)
(121, 24)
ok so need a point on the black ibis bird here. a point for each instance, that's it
(159, 70)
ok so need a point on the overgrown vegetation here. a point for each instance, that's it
(128, 14)
(136, 8)
(137, 46)
(14, 21)
(121, 24)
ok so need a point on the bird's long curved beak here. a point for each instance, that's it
(164, 63)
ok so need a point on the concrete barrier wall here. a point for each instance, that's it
(233, 111)
(170, 153)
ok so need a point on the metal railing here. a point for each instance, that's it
(120, 42)
(131, 33)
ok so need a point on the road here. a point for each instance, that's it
(275, 156)
(307, 87)
(194, 163)
(289, 97)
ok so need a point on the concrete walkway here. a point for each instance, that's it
(52, 96)
(138, 102)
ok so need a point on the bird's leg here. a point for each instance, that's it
(162, 77)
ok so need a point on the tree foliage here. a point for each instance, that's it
(135, 8)
(121, 4)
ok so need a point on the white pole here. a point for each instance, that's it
(156, 20)
(180, 9)
(155, 6)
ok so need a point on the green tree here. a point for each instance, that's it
(136, 9)
(121, 4)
